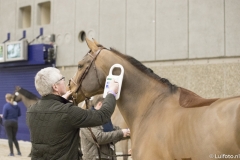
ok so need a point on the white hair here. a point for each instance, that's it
(45, 79)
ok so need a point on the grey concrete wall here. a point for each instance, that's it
(140, 36)
(172, 30)
(153, 31)
(206, 28)
(210, 78)
(87, 20)
(64, 15)
(8, 19)
(147, 30)
(232, 27)
(18, 30)
(112, 23)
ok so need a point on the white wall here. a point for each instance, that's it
(152, 30)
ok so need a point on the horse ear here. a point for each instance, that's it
(91, 45)
(17, 88)
(95, 41)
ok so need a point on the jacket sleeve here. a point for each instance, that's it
(5, 112)
(101, 136)
(116, 127)
(79, 117)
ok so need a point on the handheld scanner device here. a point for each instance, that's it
(117, 78)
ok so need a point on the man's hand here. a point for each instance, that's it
(67, 94)
(113, 86)
(126, 132)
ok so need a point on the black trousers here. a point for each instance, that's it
(11, 127)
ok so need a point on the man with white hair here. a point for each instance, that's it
(54, 122)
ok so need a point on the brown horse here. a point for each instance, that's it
(166, 122)
(27, 97)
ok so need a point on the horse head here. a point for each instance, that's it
(27, 97)
(16, 96)
(90, 77)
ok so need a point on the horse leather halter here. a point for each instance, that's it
(83, 76)
(87, 98)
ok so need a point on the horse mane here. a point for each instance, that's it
(28, 94)
(173, 88)
(187, 99)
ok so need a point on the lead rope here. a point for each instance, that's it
(98, 147)
(95, 139)
(96, 142)
(93, 136)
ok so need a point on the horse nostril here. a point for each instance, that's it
(69, 83)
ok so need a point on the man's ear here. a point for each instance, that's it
(55, 88)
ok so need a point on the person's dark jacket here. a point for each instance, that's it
(54, 126)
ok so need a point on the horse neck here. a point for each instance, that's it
(138, 92)
(138, 89)
(27, 102)
(137, 98)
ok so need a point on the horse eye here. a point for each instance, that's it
(80, 66)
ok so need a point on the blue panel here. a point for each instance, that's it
(23, 77)
(36, 55)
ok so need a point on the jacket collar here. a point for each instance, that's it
(55, 97)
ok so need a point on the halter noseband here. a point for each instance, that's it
(83, 76)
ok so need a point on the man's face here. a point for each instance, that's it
(60, 86)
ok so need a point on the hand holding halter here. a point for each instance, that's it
(67, 95)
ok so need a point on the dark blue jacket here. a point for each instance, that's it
(11, 111)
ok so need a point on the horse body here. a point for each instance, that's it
(166, 122)
(189, 132)
(28, 98)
